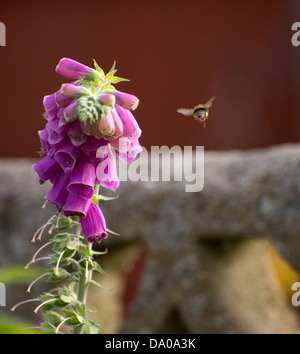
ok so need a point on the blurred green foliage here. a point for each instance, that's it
(16, 274)
(11, 325)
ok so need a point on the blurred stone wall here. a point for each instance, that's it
(200, 262)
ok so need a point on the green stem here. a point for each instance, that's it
(96, 190)
(84, 279)
(86, 275)
(82, 288)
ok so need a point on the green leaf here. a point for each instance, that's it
(80, 309)
(112, 232)
(105, 198)
(63, 261)
(97, 268)
(113, 68)
(79, 318)
(74, 317)
(57, 275)
(61, 241)
(97, 82)
(69, 254)
(74, 218)
(72, 245)
(68, 313)
(46, 297)
(66, 299)
(110, 75)
(97, 67)
(53, 318)
(94, 90)
(110, 87)
(98, 252)
(98, 284)
(90, 264)
(86, 251)
(67, 291)
(90, 327)
(87, 83)
(106, 86)
(75, 265)
(64, 222)
(94, 199)
(47, 328)
(50, 305)
(117, 79)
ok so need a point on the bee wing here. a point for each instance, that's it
(208, 104)
(185, 111)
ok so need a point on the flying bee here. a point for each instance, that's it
(199, 112)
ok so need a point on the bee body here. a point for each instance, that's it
(199, 112)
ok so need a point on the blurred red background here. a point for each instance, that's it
(176, 54)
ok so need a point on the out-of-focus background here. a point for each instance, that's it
(176, 54)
